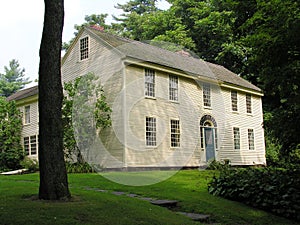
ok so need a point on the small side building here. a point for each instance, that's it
(27, 102)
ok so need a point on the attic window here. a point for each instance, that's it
(84, 48)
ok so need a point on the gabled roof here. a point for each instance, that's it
(190, 65)
(25, 93)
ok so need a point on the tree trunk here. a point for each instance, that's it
(53, 175)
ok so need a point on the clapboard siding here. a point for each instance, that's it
(101, 59)
(243, 121)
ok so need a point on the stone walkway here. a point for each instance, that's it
(170, 204)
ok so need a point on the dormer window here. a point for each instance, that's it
(84, 48)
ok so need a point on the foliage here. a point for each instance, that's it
(11, 151)
(31, 165)
(272, 36)
(271, 189)
(79, 167)
(13, 79)
(218, 165)
(84, 106)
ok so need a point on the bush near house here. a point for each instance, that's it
(272, 189)
(11, 151)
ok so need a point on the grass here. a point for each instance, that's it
(89, 206)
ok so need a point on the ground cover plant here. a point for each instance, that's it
(89, 205)
(273, 189)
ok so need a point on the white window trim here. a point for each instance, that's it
(145, 84)
(30, 145)
(251, 105)
(234, 138)
(155, 132)
(237, 101)
(25, 115)
(179, 124)
(88, 48)
(252, 140)
(204, 86)
(173, 76)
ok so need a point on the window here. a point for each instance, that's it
(234, 101)
(150, 82)
(236, 138)
(251, 139)
(173, 88)
(26, 145)
(27, 114)
(248, 103)
(206, 95)
(33, 145)
(150, 131)
(30, 145)
(84, 48)
(175, 133)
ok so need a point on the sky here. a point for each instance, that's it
(22, 25)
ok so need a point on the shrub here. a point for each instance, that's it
(79, 167)
(271, 189)
(31, 165)
(11, 151)
(218, 165)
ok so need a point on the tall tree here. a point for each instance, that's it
(13, 79)
(273, 36)
(53, 175)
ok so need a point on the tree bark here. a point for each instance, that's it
(53, 175)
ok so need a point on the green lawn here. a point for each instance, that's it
(90, 206)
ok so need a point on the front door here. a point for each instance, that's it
(209, 143)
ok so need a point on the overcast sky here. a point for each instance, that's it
(22, 24)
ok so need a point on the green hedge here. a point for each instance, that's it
(272, 189)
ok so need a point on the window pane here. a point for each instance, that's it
(84, 48)
(175, 133)
(234, 101)
(206, 95)
(236, 138)
(251, 139)
(173, 88)
(27, 114)
(26, 145)
(149, 82)
(248, 103)
(150, 131)
(33, 145)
